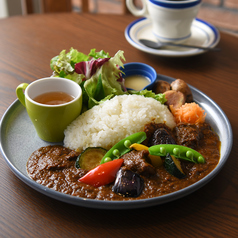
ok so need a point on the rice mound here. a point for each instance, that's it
(106, 124)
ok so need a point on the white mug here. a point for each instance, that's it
(171, 20)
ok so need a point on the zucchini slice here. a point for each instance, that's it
(90, 158)
(173, 166)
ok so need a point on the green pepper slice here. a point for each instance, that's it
(123, 146)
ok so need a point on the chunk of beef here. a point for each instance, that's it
(188, 135)
(139, 162)
(210, 137)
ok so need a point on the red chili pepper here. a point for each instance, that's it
(102, 174)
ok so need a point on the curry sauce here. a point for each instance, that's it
(54, 166)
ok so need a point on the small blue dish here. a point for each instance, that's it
(140, 69)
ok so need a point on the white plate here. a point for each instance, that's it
(19, 140)
(202, 34)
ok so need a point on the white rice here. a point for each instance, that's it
(106, 124)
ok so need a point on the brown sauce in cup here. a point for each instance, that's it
(53, 98)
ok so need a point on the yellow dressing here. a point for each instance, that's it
(136, 82)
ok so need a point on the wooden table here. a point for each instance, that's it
(26, 46)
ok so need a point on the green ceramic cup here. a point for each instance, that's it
(50, 121)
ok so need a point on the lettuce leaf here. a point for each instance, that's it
(65, 62)
(98, 55)
(89, 68)
(148, 93)
(108, 74)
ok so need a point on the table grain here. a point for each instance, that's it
(26, 46)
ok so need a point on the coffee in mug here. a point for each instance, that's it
(171, 20)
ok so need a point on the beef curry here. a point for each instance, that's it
(54, 166)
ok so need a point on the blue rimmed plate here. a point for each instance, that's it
(202, 34)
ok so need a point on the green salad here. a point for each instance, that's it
(99, 75)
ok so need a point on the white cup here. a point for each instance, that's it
(171, 20)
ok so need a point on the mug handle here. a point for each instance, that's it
(134, 10)
(20, 94)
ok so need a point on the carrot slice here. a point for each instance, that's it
(189, 113)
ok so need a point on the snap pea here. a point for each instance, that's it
(179, 151)
(123, 146)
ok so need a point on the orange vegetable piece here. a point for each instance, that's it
(190, 113)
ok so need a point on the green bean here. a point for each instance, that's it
(123, 146)
(179, 151)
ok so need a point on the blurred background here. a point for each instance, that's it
(221, 13)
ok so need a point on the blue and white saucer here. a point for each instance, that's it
(202, 34)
